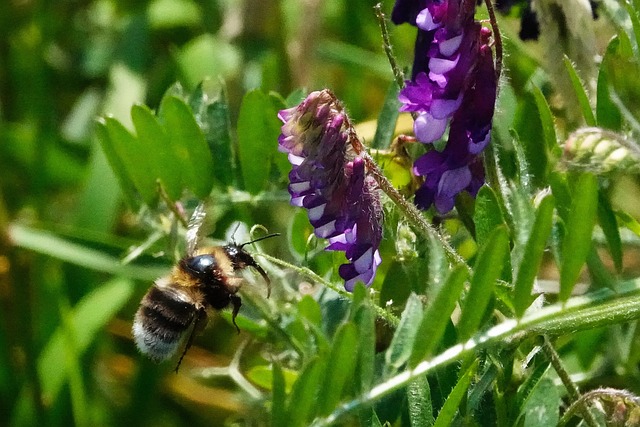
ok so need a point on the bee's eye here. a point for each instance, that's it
(201, 264)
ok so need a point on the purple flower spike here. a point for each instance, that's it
(453, 84)
(330, 180)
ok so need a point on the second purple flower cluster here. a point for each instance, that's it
(453, 83)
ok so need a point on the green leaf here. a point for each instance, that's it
(50, 244)
(218, 135)
(437, 315)
(403, 340)
(489, 265)
(533, 253)
(609, 225)
(305, 393)
(117, 166)
(542, 406)
(264, 375)
(134, 158)
(488, 214)
(342, 368)
(365, 367)
(577, 240)
(278, 397)
(387, 118)
(160, 158)
(89, 316)
(608, 113)
(258, 130)
(211, 110)
(310, 309)
(635, 21)
(189, 145)
(629, 222)
(531, 380)
(451, 405)
(419, 403)
(581, 93)
(546, 119)
(207, 56)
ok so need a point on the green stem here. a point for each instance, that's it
(304, 271)
(413, 215)
(386, 44)
(572, 388)
(497, 37)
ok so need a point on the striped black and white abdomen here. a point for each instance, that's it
(162, 319)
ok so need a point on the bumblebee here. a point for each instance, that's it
(204, 279)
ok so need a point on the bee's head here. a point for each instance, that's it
(242, 259)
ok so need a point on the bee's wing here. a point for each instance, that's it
(196, 221)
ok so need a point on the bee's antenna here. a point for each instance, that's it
(268, 236)
(255, 265)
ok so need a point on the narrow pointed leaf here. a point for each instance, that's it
(581, 93)
(546, 119)
(403, 340)
(387, 118)
(342, 369)
(577, 240)
(491, 261)
(487, 215)
(533, 253)
(607, 112)
(305, 393)
(437, 315)
(609, 225)
(419, 403)
(451, 405)
(365, 367)
(278, 408)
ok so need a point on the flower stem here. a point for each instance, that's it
(390, 318)
(572, 389)
(386, 44)
(496, 36)
(412, 213)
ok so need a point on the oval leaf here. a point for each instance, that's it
(258, 130)
(189, 145)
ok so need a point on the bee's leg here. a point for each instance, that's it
(199, 322)
(236, 302)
